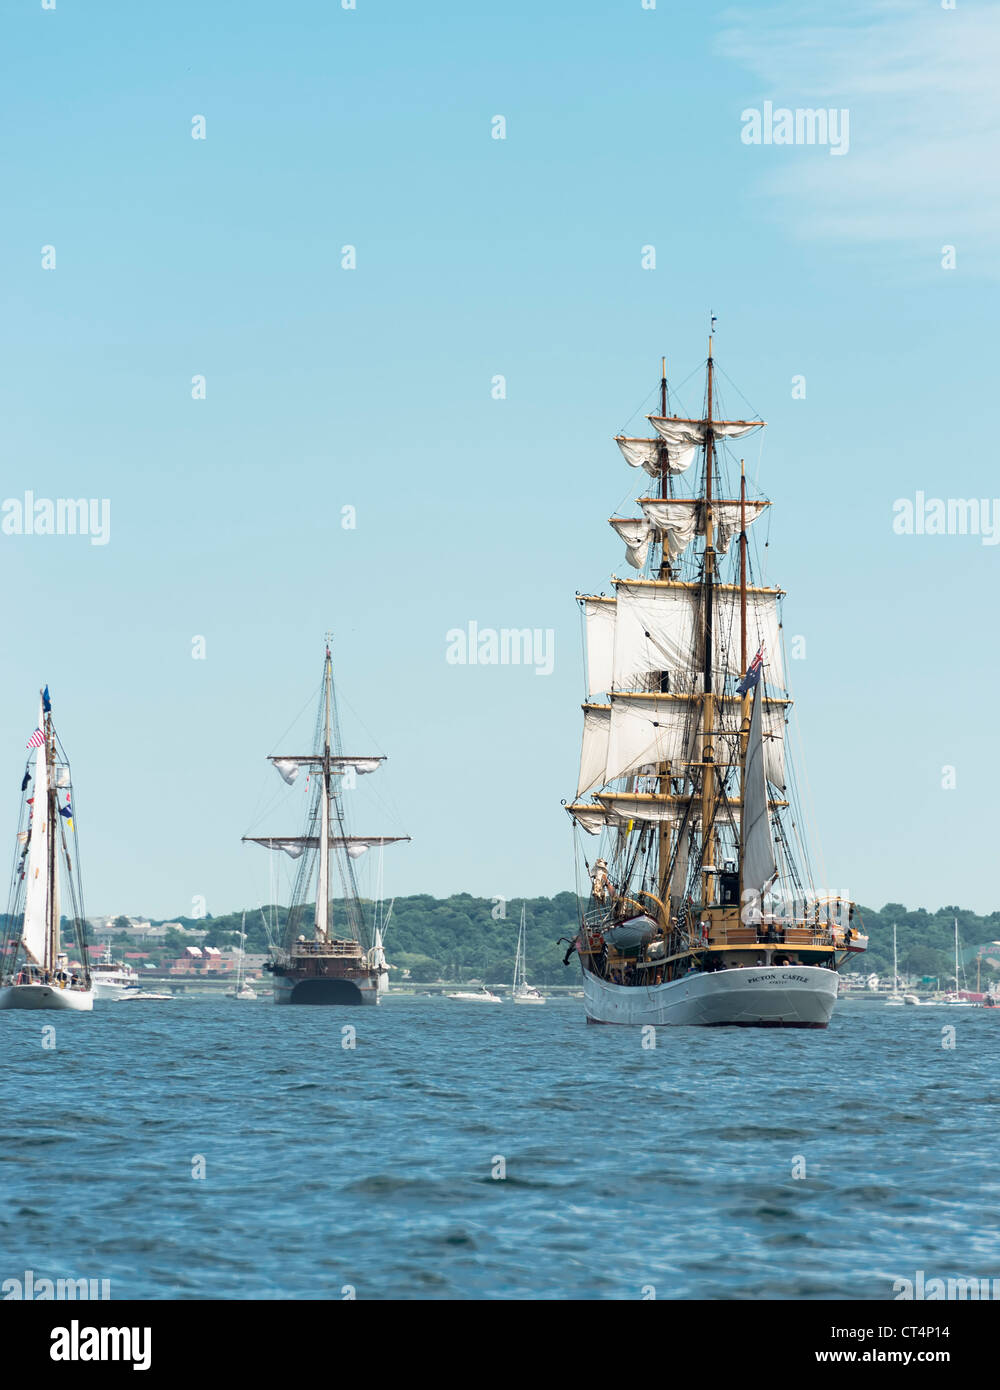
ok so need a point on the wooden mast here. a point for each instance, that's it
(323, 887)
(708, 770)
(52, 868)
(745, 716)
(664, 831)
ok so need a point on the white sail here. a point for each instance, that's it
(676, 523)
(623, 807)
(288, 764)
(679, 521)
(594, 753)
(294, 845)
(36, 898)
(647, 454)
(599, 616)
(645, 730)
(637, 534)
(759, 868)
(690, 432)
(592, 819)
(658, 627)
(655, 630)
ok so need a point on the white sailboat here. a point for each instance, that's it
(242, 989)
(37, 972)
(954, 997)
(522, 992)
(895, 997)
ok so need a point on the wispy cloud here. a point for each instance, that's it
(921, 86)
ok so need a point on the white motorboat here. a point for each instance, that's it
(111, 978)
(479, 996)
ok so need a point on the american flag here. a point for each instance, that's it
(36, 740)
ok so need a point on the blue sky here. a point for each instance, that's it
(371, 388)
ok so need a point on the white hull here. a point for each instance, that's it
(46, 997)
(799, 996)
(104, 991)
(529, 999)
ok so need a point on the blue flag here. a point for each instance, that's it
(46, 702)
(752, 676)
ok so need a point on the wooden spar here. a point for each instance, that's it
(708, 772)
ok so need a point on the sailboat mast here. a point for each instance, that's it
(323, 887)
(708, 770)
(52, 867)
(747, 699)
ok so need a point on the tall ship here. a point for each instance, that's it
(37, 971)
(331, 951)
(700, 906)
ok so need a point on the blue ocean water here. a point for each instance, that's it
(329, 1169)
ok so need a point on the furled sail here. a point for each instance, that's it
(599, 616)
(692, 432)
(648, 453)
(678, 521)
(759, 868)
(640, 807)
(294, 845)
(593, 819)
(637, 534)
(36, 898)
(594, 753)
(288, 764)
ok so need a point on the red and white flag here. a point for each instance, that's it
(36, 740)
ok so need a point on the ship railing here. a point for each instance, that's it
(778, 933)
(326, 948)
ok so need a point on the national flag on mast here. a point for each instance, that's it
(36, 740)
(753, 674)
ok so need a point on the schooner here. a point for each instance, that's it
(341, 960)
(35, 971)
(701, 907)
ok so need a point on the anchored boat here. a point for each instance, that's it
(697, 910)
(37, 973)
(331, 959)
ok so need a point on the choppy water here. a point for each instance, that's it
(372, 1168)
